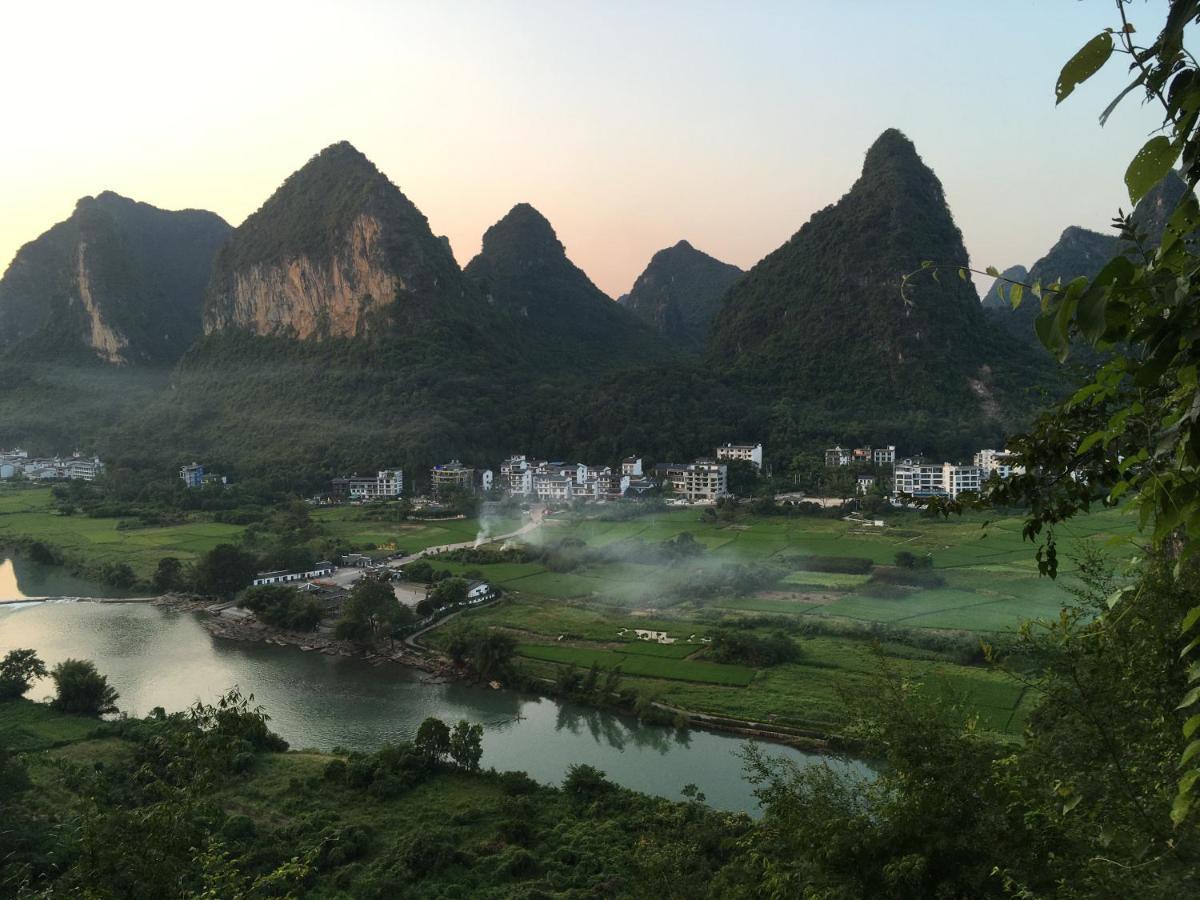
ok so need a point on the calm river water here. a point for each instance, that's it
(157, 657)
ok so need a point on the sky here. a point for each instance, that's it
(630, 125)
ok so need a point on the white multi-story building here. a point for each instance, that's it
(632, 466)
(921, 479)
(553, 488)
(698, 482)
(751, 453)
(1002, 462)
(386, 483)
(884, 456)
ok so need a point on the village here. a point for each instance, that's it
(542, 486)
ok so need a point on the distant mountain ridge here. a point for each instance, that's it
(680, 292)
(119, 281)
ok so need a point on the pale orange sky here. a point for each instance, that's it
(630, 125)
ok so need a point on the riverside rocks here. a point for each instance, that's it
(224, 620)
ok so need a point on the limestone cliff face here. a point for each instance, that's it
(305, 297)
(336, 252)
(107, 343)
(119, 281)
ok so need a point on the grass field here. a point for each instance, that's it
(29, 514)
(990, 586)
(640, 664)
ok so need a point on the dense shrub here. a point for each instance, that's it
(283, 607)
(81, 690)
(747, 648)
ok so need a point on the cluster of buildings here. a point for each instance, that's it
(702, 481)
(17, 463)
(555, 481)
(917, 477)
(862, 456)
(926, 479)
(386, 484)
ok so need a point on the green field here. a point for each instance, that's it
(990, 586)
(29, 514)
(640, 664)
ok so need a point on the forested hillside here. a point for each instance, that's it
(680, 292)
(119, 282)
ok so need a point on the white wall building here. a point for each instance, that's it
(751, 453)
(1002, 462)
(921, 479)
(282, 576)
(385, 484)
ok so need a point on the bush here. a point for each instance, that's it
(586, 783)
(517, 784)
(746, 648)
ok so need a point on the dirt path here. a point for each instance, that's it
(535, 521)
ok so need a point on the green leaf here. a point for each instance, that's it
(1149, 166)
(1180, 808)
(1189, 698)
(1192, 749)
(993, 271)
(1015, 294)
(1190, 726)
(962, 273)
(1189, 620)
(1083, 65)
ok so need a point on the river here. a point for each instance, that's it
(156, 657)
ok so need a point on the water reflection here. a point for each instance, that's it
(158, 658)
(20, 579)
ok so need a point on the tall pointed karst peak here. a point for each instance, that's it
(329, 254)
(522, 229)
(836, 283)
(524, 270)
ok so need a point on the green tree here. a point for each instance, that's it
(372, 611)
(81, 689)
(433, 739)
(168, 576)
(1132, 429)
(283, 606)
(449, 592)
(466, 745)
(224, 570)
(18, 670)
